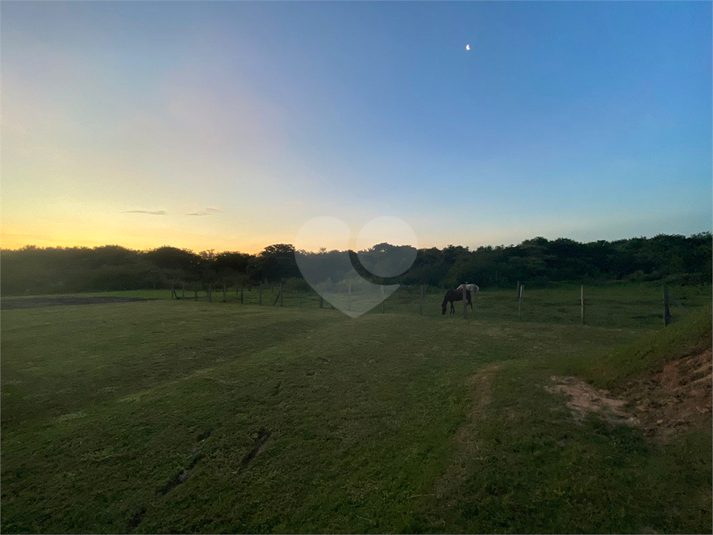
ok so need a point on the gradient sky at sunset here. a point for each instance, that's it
(229, 125)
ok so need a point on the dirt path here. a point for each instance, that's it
(467, 443)
(15, 303)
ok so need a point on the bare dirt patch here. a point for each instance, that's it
(584, 399)
(15, 303)
(675, 399)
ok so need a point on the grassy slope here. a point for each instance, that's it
(104, 405)
(537, 472)
(649, 353)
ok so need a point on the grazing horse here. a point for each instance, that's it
(455, 295)
(470, 287)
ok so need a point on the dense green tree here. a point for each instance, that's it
(33, 270)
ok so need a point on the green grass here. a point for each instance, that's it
(148, 294)
(653, 351)
(537, 472)
(646, 355)
(374, 423)
(617, 305)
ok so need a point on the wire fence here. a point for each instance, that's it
(625, 305)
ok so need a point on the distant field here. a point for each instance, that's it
(183, 416)
(64, 300)
(630, 305)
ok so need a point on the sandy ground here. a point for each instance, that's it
(673, 400)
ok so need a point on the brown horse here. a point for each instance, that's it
(455, 295)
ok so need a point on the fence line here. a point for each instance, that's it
(600, 305)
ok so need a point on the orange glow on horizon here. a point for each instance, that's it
(10, 239)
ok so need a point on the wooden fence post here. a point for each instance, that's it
(465, 300)
(521, 291)
(241, 295)
(666, 311)
(261, 294)
(183, 294)
(581, 301)
(196, 295)
(421, 304)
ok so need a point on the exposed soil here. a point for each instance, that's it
(14, 303)
(585, 399)
(671, 401)
(677, 398)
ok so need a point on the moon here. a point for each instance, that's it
(467, 47)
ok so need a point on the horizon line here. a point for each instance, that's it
(502, 245)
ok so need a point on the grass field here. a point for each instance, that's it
(182, 416)
(630, 305)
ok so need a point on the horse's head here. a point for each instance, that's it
(444, 306)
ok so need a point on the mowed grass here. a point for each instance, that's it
(616, 305)
(181, 416)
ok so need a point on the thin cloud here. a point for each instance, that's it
(206, 211)
(158, 212)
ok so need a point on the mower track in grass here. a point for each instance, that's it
(268, 420)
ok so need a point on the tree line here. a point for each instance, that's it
(538, 261)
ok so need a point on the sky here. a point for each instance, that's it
(231, 125)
